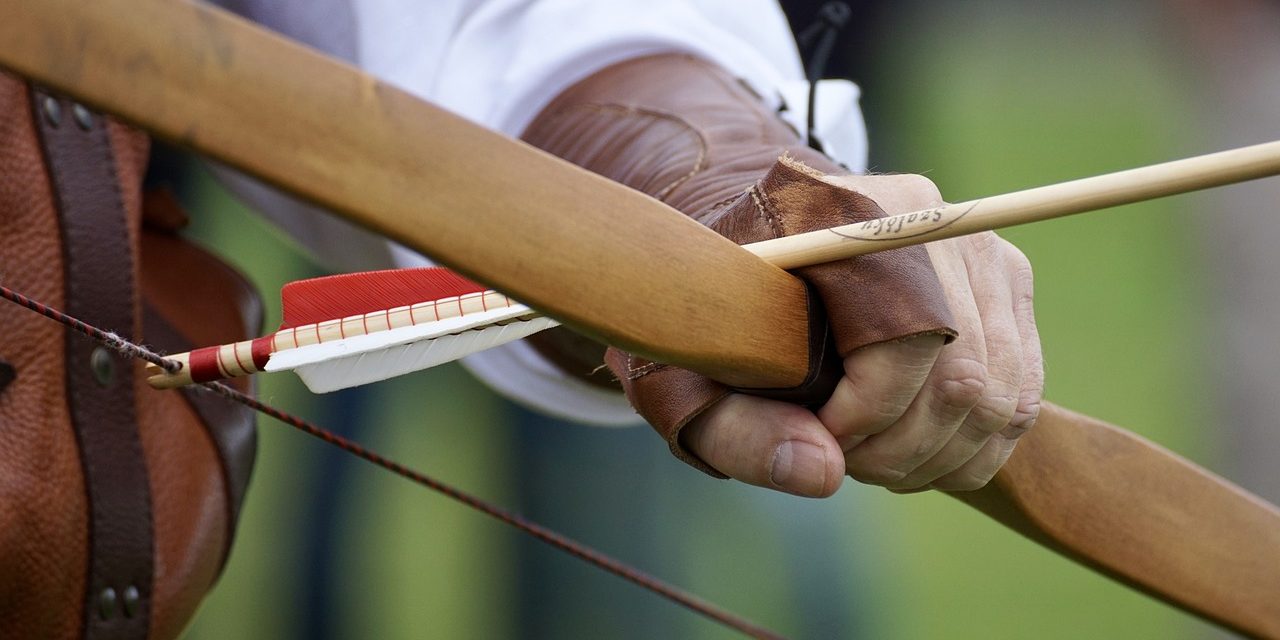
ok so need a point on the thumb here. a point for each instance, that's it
(767, 443)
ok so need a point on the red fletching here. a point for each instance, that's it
(351, 294)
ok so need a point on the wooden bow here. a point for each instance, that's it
(513, 217)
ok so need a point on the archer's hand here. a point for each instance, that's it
(911, 413)
(908, 415)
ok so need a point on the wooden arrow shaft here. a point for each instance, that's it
(1022, 207)
(517, 219)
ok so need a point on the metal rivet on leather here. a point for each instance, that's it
(107, 603)
(7, 374)
(52, 111)
(83, 116)
(104, 367)
(131, 600)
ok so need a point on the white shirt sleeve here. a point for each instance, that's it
(498, 62)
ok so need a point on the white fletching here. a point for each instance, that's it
(381, 355)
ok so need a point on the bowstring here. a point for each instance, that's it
(563, 543)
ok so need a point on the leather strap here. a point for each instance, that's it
(100, 288)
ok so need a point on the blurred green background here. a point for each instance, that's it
(982, 98)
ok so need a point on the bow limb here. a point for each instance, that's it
(1141, 514)
(513, 218)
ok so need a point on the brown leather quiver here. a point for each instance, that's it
(117, 502)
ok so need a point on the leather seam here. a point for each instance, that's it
(766, 210)
(711, 210)
(635, 373)
(622, 111)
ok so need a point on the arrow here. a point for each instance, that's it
(375, 336)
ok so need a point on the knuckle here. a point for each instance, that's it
(928, 445)
(1024, 418)
(994, 412)
(961, 383)
(1022, 276)
(924, 188)
(986, 244)
(1016, 257)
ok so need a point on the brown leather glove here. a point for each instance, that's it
(686, 132)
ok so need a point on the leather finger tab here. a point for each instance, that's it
(890, 295)
(668, 398)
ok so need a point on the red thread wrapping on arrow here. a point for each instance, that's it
(318, 302)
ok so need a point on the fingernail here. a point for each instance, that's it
(799, 467)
